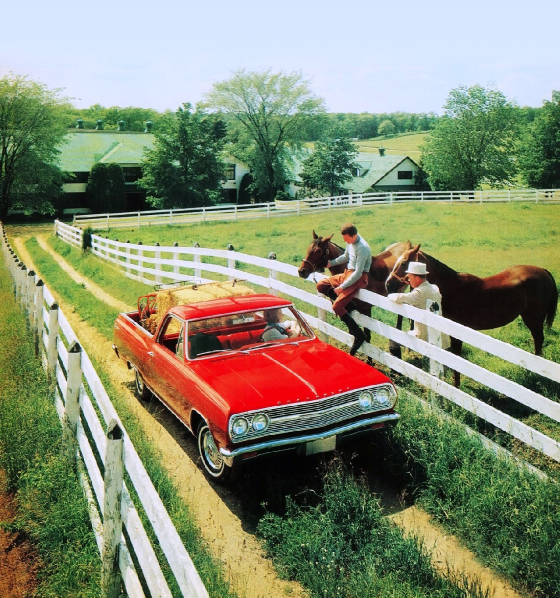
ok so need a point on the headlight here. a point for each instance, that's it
(366, 399)
(239, 426)
(260, 422)
(384, 397)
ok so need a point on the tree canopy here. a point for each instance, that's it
(330, 165)
(474, 142)
(184, 168)
(539, 157)
(270, 110)
(31, 130)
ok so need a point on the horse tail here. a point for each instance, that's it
(553, 303)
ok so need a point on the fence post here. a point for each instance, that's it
(140, 260)
(231, 261)
(112, 524)
(127, 258)
(52, 352)
(434, 338)
(176, 258)
(30, 298)
(272, 274)
(22, 286)
(157, 265)
(38, 316)
(197, 271)
(72, 398)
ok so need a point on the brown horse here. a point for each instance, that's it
(322, 249)
(485, 303)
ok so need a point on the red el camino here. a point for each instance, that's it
(247, 376)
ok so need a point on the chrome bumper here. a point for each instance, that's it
(269, 445)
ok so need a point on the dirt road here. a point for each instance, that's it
(226, 517)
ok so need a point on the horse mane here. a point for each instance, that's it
(443, 268)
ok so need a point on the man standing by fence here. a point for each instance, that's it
(421, 292)
(341, 288)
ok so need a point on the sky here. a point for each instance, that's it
(359, 56)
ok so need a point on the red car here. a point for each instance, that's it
(247, 376)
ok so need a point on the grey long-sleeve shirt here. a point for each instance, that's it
(357, 257)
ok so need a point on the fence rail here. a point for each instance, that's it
(122, 539)
(282, 208)
(157, 264)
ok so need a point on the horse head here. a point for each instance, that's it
(317, 257)
(397, 278)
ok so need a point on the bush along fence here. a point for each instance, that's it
(159, 264)
(104, 454)
(304, 206)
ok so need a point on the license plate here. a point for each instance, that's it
(323, 445)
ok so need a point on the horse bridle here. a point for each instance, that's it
(313, 267)
(402, 279)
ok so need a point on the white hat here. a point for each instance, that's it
(418, 268)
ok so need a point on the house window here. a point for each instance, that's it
(230, 172)
(404, 174)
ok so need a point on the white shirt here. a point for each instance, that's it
(418, 297)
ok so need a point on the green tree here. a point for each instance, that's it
(184, 168)
(474, 141)
(32, 127)
(105, 188)
(539, 157)
(270, 110)
(330, 165)
(386, 127)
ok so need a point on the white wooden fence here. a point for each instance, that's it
(79, 394)
(283, 208)
(155, 264)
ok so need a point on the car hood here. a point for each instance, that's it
(284, 374)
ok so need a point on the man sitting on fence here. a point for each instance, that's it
(421, 292)
(342, 287)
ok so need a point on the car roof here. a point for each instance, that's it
(227, 305)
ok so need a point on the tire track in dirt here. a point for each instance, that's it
(249, 572)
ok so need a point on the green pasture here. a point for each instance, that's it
(406, 145)
(482, 239)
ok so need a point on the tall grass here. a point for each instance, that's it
(52, 509)
(509, 517)
(342, 545)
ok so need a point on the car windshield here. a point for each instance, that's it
(235, 332)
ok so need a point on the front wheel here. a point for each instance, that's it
(142, 391)
(214, 465)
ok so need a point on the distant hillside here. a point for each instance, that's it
(407, 144)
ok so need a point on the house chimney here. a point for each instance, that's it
(148, 128)
(99, 125)
(79, 124)
(121, 124)
(381, 151)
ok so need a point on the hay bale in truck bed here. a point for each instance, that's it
(184, 295)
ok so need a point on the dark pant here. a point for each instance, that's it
(327, 286)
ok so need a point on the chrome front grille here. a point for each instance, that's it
(312, 415)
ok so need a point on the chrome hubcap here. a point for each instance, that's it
(211, 452)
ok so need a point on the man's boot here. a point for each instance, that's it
(355, 331)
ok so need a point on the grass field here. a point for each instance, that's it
(405, 145)
(482, 239)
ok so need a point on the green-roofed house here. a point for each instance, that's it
(374, 172)
(83, 148)
(383, 172)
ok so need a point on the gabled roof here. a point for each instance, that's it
(82, 149)
(373, 167)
